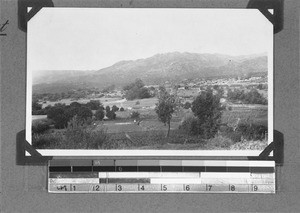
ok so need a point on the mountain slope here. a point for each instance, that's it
(159, 68)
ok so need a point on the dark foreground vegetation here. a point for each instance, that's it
(203, 123)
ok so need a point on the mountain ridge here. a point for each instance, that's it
(161, 67)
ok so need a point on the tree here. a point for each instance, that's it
(207, 108)
(75, 104)
(251, 97)
(59, 116)
(187, 105)
(135, 114)
(111, 115)
(144, 93)
(107, 109)
(165, 108)
(136, 90)
(138, 83)
(37, 108)
(36, 105)
(254, 97)
(84, 113)
(115, 108)
(94, 104)
(99, 114)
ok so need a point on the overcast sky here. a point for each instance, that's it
(94, 38)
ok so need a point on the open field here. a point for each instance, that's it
(251, 113)
(147, 132)
(119, 102)
(131, 126)
(150, 133)
(38, 117)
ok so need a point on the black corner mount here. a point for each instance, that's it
(276, 17)
(35, 157)
(24, 15)
(276, 147)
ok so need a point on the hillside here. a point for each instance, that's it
(157, 69)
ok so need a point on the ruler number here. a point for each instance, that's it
(232, 187)
(208, 187)
(96, 188)
(73, 188)
(187, 188)
(164, 187)
(119, 187)
(255, 188)
(142, 188)
(120, 169)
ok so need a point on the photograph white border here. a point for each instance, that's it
(156, 153)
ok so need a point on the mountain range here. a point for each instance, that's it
(172, 67)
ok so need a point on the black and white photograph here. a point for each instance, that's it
(149, 81)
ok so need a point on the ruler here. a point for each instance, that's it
(161, 176)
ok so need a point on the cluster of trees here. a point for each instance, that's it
(262, 86)
(79, 134)
(61, 114)
(109, 112)
(136, 90)
(206, 108)
(71, 94)
(38, 110)
(251, 97)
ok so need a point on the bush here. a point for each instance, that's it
(137, 103)
(252, 131)
(40, 126)
(39, 112)
(220, 142)
(136, 90)
(189, 125)
(251, 97)
(235, 136)
(111, 115)
(47, 141)
(36, 108)
(94, 105)
(122, 109)
(115, 108)
(59, 115)
(247, 131)
(187, 105)
(79, 135)
(75, 104)
(250, 145)
(84, 113)
(135, 114)
(99, 114)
